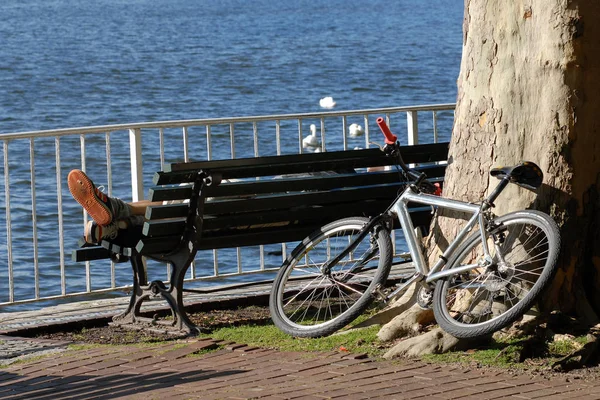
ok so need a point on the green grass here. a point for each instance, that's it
(26, 360)
(503, 353)
(269, 336)
(514, 353)
(567, 346)
(85, 346)
(496, 354)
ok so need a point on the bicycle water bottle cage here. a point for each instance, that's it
(526, 174)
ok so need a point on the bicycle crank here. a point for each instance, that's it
(425, 298)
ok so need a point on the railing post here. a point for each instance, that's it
(11, 280)
(435, 132)
(412, 123)
(135, 158)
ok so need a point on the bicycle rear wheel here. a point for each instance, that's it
(483, 300)
(308, 301)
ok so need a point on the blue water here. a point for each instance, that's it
(68, 63)
(81, 62)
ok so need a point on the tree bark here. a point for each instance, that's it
(529, 89)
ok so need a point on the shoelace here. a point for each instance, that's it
(113, 234)
(112, 228)
(101, 188)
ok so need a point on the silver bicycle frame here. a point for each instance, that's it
(400, 207)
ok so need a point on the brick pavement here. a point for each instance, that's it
(207, 369)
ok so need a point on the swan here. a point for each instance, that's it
(356, 130)
(327, 102)
(311, 140)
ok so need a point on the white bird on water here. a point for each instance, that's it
(355, 130)
(311, 140)
(327, 102)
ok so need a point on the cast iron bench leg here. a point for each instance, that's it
(140, 281)
(173, 294)
(180, 259)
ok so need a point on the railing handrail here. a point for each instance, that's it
(215, 121)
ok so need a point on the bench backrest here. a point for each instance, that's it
(281, 198)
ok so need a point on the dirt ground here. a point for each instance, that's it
(258, 315)
(208, 320)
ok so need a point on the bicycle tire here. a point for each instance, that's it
(503, 282)
(306, 303)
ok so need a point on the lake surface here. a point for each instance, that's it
(71, 63)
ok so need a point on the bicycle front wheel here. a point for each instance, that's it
(311, 298)
(524, 249)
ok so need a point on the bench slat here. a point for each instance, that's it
(163, 227)
(319, 215)
(240, 225)
(244, 222)
(216, 239)
(303, 199)
(251, 162)
(157, 245)
(318, 182)
(281, 235)
(298, 163)
(90, 254)
(167, 211)
(261, 187)
(170, 193)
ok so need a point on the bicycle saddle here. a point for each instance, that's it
(526, 174)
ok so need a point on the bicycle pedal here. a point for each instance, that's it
(379, 294)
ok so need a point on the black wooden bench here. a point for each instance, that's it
(253, 201)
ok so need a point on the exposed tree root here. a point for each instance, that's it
(528, 325)
(395, 308)
(409, 322)
(433, 342)
(579, 358)
(582, 357)
(590, 351)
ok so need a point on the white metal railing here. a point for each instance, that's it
(42, 222)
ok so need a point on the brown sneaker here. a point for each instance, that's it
(94, 233)
(95, 202)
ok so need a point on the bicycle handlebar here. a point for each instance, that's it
(393, 145)
(390, 138)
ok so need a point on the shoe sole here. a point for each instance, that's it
(83, 191)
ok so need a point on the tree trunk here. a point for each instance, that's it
(529, 89)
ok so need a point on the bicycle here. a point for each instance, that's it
(480, 284)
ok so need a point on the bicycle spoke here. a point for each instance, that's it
(536, 258)
(305, 301)
(300, 292)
